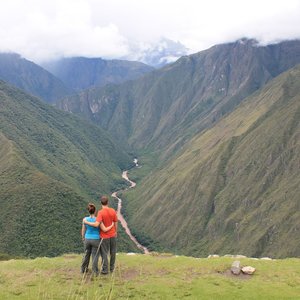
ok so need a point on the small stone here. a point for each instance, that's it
(248, 270)
(213, 256)
(236, 267)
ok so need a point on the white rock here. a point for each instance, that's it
(131, 253)
(266, 258)
(248, 270)
(236, 267)
(213, 256)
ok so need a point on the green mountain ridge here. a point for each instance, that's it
(233, 188)
(167, 107)
(214, 184)
(80, 73)
(220, 130)
(52, 165)
(28, 198)
(32, 78)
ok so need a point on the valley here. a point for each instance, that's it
(119, 211)
(218, 195)
(182, 118)
(217, 133)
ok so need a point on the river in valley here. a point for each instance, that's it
(119, 210)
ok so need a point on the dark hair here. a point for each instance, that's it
(104, 200)
(91, 208)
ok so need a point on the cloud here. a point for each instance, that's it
(42, 29)
(222, 21)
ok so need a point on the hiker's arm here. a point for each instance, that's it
(96, 224)
(93, 224)
(104, 228)
(83, 231)
(116, 226)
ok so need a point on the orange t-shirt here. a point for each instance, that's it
(108, 216)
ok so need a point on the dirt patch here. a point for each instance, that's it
(130, 274)
(188, 275)
(241, 276)
(163, 272)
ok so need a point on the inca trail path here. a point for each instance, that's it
(121, 217)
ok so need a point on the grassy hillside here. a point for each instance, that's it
(51, 165)
(150, 277)
(235, 187)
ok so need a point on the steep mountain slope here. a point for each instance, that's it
(167, 107)
(80, 72)
(31, 78)
(51, 165)
(234, 188)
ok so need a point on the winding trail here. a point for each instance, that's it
(121, 217)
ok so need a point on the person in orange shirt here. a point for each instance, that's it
(107, 216)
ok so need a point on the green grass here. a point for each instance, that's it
(159, 276)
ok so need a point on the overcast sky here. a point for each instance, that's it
(42, 29)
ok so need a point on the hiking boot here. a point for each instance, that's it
(104, 273)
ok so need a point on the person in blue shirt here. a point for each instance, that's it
(91, 238)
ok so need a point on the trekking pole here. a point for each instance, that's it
(97, 251)
(84, 274)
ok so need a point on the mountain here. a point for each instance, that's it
(80, 73)
(51, 165)
(233, 188)
(222, 132)
(31, 78)
(167, 107)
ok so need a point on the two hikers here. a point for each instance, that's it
(108, 222)
(91, 238)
